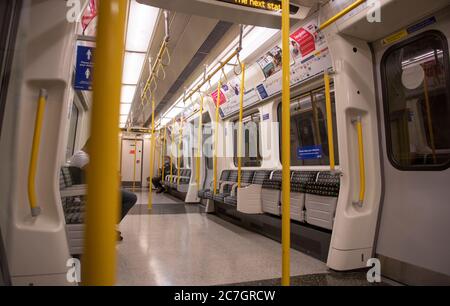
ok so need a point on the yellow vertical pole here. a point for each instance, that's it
(152, 155)
(164, 150)
(326, 78)
(241, 115)
(134, 164)
(180, 139)
(102, 209)
(200, 142)
(216, 137)
(171, 150)
(286, 149)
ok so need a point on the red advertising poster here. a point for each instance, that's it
(306, 41)
(223, 99)
(89, 14)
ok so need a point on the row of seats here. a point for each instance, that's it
(73, 199)
(182, 185)
(313, 194)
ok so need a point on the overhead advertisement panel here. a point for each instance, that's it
(310, 56)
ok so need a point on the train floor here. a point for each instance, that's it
(178, 244)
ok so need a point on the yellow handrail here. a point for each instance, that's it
(180, 139)
(329, 120)
(216, 136)
(102, 209)
(152, 156)
(362, 167)
(200, 141)
(286, 149)
(241, 115)
(35, 209)
(219, 68)
(341, 14)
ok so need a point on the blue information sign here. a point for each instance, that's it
(309, 152)
(262, 92)
(84, 68)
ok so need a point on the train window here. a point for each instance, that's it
(416, 84)
(251, 155)
(309, 139)
(70, 150)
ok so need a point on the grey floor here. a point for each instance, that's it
(178, 244)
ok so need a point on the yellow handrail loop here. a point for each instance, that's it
(42, 101)
(362, 169)
(169, 59)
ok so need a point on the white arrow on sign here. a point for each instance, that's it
(89, 54)
(88, 73)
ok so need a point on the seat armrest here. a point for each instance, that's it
(222, 186)
(73, 192)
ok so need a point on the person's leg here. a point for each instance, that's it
(157, 183)
(128, 200)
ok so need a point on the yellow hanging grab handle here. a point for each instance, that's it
(362, 167)
(35, 209)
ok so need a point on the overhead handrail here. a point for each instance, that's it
(200, 142)
(362, 169)
(241, 115)
(42, 101)
(330, 126)
(286, 148)
(216, 136)
(209, 77)
(99, 258)
(341, 14)
(152, 155)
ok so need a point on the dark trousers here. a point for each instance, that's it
(128, 199)
(157, 182)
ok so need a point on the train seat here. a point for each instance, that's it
(271, 193)
(321, 200)
(248, 197)
(226, 187)
(299, 181)
(185, 179)
(206, 193)
(246, 180)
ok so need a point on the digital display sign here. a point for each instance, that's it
(267, 5)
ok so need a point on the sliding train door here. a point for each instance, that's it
(414, 112)
(131, 162)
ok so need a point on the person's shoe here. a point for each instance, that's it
(159, 190)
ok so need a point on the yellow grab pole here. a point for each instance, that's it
(286, 149)
(152, 156)
(35, 209)
(102, 209)
(164, 150)
(362, 167)
(329, 120)
(341, 14)
(216, 137)
(241, 115)
(180, 139)
(134, 165)
(199, 149)
(171, 150)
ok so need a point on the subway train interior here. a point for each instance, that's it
(224, 142)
